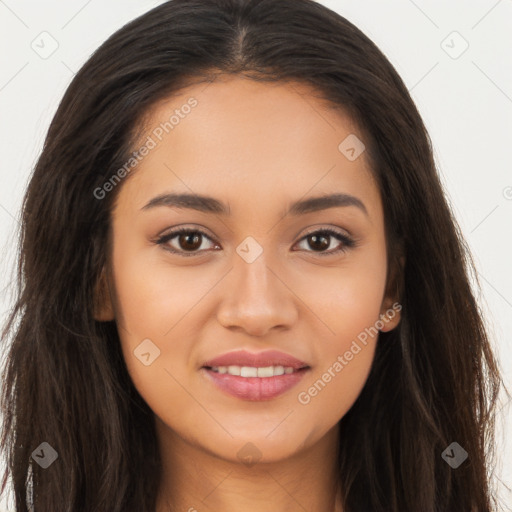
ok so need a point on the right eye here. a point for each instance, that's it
(185, 237)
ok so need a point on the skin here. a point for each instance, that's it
(256, 147)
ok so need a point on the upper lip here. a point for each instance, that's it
(259, 359)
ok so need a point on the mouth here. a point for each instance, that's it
(254, 377)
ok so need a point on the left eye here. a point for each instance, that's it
(190, 241)
(316, 238)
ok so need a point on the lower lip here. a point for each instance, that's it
(255, 388)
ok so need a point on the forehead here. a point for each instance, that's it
(251, 144)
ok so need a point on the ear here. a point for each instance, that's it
(391, 307)
(103, 308)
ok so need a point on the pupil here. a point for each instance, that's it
(324, 245)
(186, 237)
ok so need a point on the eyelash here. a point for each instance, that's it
(348, 242)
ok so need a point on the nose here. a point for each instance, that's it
(257, 299)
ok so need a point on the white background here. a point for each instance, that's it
(466, 103)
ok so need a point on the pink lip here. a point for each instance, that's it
(255, 388)
(260, 359)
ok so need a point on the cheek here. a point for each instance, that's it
(162, 303)
(345, 298)
(348, 303)
(153, 295)
(344, 359)
(154, 306)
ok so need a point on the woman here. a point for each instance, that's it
(241, 285)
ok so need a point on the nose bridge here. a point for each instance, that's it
(253, 275)
(256, 283)
(257, 299)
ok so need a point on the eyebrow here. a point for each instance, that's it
(207, 204)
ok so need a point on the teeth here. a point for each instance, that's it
(251, 371)
(248, 371)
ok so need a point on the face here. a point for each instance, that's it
(253, 272)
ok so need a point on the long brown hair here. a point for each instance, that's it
(434, 379)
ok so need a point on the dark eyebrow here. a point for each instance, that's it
(209, 204)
